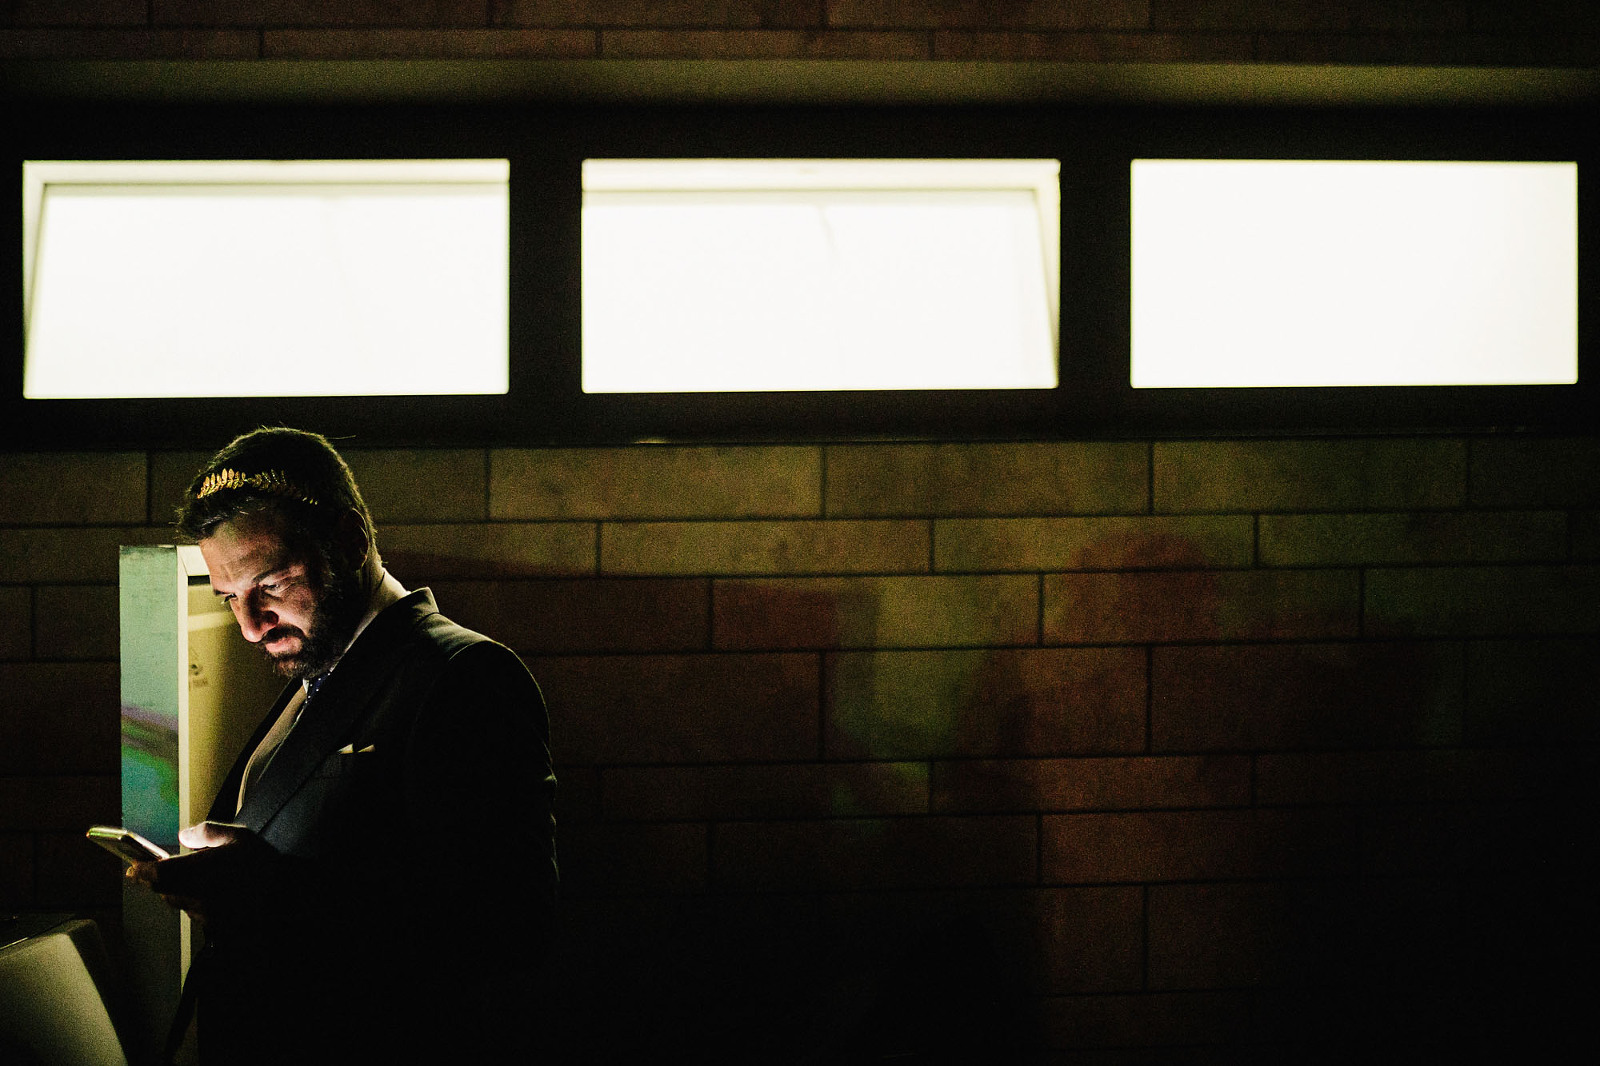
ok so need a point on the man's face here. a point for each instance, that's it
(284, 601)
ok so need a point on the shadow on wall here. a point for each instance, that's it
(1410, 877)
(1401, 869)
(835, 921)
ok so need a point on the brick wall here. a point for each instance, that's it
(1546, 33)
(1089, 746)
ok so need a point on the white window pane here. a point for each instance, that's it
(1289, 273)
(818, 275)
(267, 279)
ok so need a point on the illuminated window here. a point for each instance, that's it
(1261, 273)
(315, 278)
(786, 275)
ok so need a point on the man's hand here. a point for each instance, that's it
(197, 877)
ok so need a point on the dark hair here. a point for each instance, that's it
(291, 472)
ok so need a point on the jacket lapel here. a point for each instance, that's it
(341, 701)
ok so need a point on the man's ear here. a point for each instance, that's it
(355, 545)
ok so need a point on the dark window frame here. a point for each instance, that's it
(547, 144)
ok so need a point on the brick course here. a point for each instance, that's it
(995, 702)
(1155, 542)
(340, 44)
(69, 555)
(75, 622)
(1140, 608)
(1522, 692)
(761, 44)
(569, 615)
(634, 859)
(1274, 697)
(498, 549)
(716, 793)
(932, 852)
(1309, 475)
(664, 482)
(1146, 1019)
(690, 709)
(312, 13)
(881, 612)
(1104, 784)
(58, 719)
(16, 616)
(68, 489)
(1196, 845)
(1085, 14)
(411, 485)
(727, 548)
(1536, 472)
(1483, 601)
(79, 12)
(1093, 939)
(987, 479)
(744, 13)
(1413, 537)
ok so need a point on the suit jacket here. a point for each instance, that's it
(403, 880)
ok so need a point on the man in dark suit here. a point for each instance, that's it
(377, 878)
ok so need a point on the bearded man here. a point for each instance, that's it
(376, 879)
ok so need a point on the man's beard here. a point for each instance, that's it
(340, 605)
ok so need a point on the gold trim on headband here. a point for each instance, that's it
(273, 482)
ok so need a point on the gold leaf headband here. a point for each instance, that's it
(272, 482)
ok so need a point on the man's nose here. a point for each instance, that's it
(254, 622)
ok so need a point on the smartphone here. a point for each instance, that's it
(126, 843)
